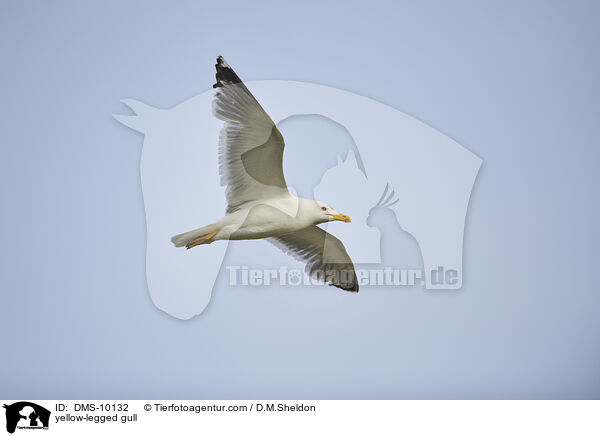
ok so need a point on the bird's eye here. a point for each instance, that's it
(323, 208)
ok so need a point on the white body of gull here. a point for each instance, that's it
(259, 205)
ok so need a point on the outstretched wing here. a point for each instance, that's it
(250, 145)
(324, 254)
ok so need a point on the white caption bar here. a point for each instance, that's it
(350, 417)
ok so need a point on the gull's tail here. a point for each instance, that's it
(203, 235)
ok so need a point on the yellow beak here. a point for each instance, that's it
(341, 217)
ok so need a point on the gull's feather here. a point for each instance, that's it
(250, 145)
(323, 253)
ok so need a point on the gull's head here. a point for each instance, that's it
(327, 213)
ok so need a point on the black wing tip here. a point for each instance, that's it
(225, 74)
(351, 287)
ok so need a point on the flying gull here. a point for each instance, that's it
(259, 204)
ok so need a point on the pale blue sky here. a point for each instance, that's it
(514, 82)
